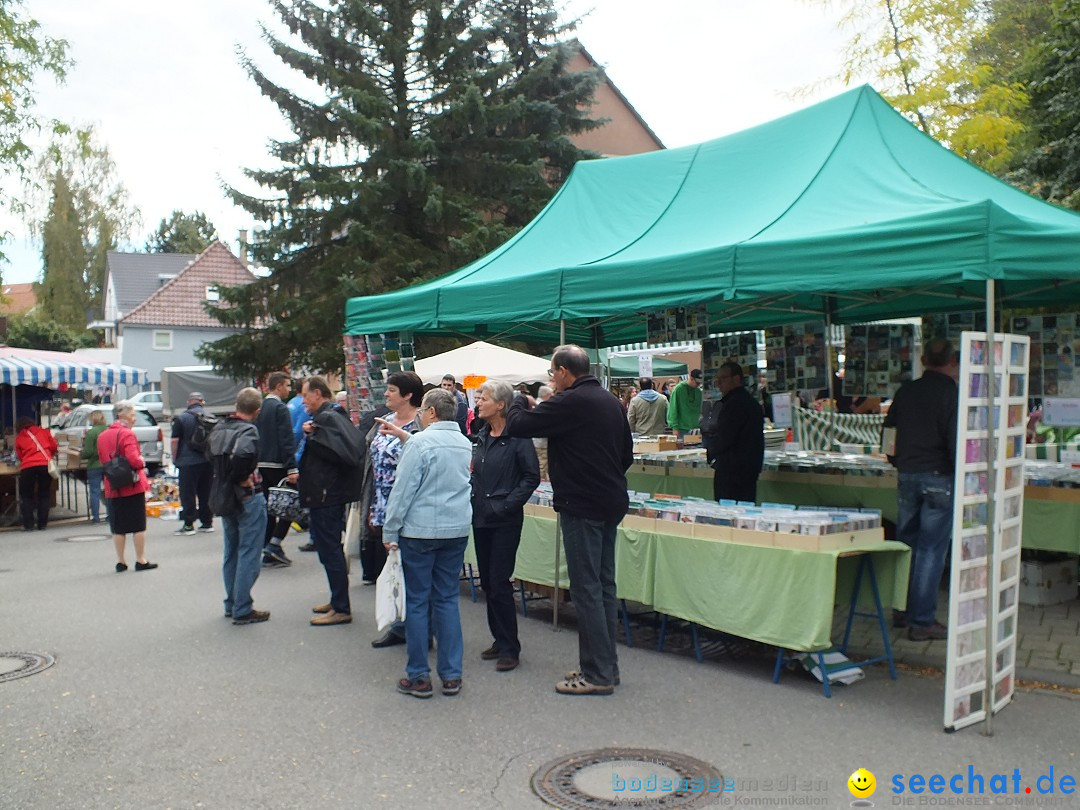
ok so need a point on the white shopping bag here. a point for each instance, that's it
(390, 592)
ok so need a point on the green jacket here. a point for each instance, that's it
(89, 447)
(684, 407)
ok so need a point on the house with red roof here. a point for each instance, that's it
(169, 326)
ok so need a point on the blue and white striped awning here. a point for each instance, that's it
(34, 367)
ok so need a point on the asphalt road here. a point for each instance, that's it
(157, 701)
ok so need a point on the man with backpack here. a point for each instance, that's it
(190, 435)
(235, 496)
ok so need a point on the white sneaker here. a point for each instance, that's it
(185, 529)
(206, 529)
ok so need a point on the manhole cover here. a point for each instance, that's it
(627, 777)
(84, 538)
(19, 664)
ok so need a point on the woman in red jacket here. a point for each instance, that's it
(34, 446)
(127, 505)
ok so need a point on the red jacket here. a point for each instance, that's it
(28, 453)
(119, 438)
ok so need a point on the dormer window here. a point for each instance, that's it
(212, 293)
(165, 278)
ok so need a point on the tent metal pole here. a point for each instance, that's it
(996, 393)
(831, 434)
(556, 595)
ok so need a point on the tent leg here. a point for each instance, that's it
(991, 528)
(558, 529)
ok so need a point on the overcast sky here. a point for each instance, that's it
(162, 85)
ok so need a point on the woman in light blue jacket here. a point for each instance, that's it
(428, 516)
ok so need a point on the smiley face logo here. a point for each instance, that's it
(862, 784)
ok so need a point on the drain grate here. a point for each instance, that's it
(14, 665)
(627, 777)
(84, 538)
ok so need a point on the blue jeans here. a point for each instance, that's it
(325, 528)
(94, 478)
(431, 570)
(243, 554)
(924, 522)
(590, 562)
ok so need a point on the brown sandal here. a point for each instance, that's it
(580, 686)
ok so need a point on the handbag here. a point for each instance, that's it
(52, 466)
(118, 470)
(390, 592)
(283, 501)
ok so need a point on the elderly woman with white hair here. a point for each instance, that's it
(127, 502)
(505, 473)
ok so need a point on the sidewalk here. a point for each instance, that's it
(1047, 643)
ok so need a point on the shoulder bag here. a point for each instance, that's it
(52, 466)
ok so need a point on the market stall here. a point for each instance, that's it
(483, 359)
(843, 213)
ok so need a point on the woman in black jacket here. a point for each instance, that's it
(505, 473)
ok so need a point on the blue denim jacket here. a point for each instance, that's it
(431, 498)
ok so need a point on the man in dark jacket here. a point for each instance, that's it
(194, 479)
(923, 414)
(277, 460)
(331, 475)
(589, 451)
(733, 437)
(234, 495)
(450, 384)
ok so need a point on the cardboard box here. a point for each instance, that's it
(710, 531)
(675, 527)
(752, 537)
(639, 523)
(1048, 583)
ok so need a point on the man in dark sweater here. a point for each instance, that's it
(589, 452)
(277, 460)
(734, 439)
(923, 413)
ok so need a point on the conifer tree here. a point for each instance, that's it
(440, 128)
(64, 257)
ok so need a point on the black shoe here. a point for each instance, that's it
(506, 664)
(307, 547)
(490, 654)
(931, 632)
(899, 620)
(387, 639)
(121, 568)
(146, 566)
(276, 552)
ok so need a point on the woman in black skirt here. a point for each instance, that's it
(127, 505)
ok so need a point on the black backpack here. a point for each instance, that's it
(200, 436)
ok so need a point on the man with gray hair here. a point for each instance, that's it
(235, 497)
(589, 450)
(194, 469)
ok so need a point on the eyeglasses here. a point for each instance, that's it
(551, 372)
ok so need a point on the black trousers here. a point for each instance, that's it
(195, 486)
(372, 555)
(276, 528)
(496, 555)
(731, 489)
(35, 492)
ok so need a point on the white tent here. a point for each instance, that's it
(484, 360)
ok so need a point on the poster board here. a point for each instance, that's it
(951, 325)
(795, 354)
(878, 358)
(983, 598)
(737, 347)
(1055, 340)
(677, 324)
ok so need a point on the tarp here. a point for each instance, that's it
(844, 206)
(486, 360)
(36, 367)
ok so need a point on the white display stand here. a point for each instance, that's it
(986, 553)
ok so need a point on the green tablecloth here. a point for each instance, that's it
(777, 596)
(1048, 525)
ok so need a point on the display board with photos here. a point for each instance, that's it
(677, 324)
(738, 347)
(951, 325)
(1055, 341)
(878, 358)
(368, 360)
(795, 354)
(983, 599)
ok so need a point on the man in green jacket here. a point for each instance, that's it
(94, 471)
(684, 405)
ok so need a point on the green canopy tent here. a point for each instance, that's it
(626, 366)
(843, 208)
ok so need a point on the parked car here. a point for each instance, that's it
(147, 431)
(151, 400)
